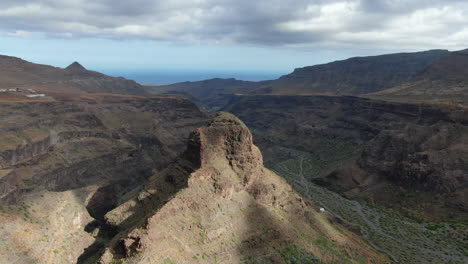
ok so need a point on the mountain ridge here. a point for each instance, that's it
(225, 207)
(72, 81)
(360, 76)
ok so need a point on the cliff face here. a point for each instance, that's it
(367, 148)
(65, 164)
(217, 203)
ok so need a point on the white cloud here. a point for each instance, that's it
(19, 33)
(416, 24)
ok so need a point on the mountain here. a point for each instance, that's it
(354, 76)
(359, 75)
(218, 204)
(75, 67)
(445, 79)
(73, 81)
(212, 93)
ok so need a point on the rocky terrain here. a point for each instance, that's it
(99, 171)
(218, 204)
(409, 157)
(369, 148)
(69, 83)
(63, 165)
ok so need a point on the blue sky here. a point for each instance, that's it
(220, 38)
(140, 58)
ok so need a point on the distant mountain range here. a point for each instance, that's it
(75, 79)
(427, 75)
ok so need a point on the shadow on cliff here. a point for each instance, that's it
(269, 239)
(149, 198)
(264, 237)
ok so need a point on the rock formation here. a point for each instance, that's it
(218, 204)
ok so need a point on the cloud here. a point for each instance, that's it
(19, 34)
(410, 24)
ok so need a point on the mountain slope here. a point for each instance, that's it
(445, 79)
(218, 204)
(358, 75)
(18, 73)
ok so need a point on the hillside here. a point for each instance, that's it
(57, 82)
(218, 204)
(445, 79)
(358, 75)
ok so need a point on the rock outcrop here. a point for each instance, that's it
(218, 204)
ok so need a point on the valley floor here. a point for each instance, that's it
(404, 240)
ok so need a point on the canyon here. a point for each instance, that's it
(358, 161)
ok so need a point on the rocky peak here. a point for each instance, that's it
(219, 191)
(226, 144)
(75, 66)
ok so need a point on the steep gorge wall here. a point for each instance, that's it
(24, 152)
(59, 158)
(61, 146)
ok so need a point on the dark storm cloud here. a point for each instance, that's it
(297, 23)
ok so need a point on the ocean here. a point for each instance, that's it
(168, 76)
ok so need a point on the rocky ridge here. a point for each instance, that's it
(218, 204)
(353, 76)
(446, 79)
(70, 83)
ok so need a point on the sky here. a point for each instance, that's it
(167, 41)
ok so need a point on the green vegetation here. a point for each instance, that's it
(296, 255)
(323, 160)
(169, 261)
(403, 239)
